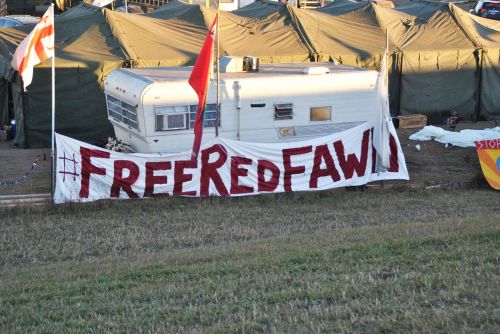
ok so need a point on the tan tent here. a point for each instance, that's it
(150, 41)
(485, 34)
(340, 38)
(173, 35)
(443, 59)
(272, 37)
(86, 52)
(438, 70)
(342, 7)
(260, 8)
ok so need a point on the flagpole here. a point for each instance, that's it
(217, 108)
(53, 116)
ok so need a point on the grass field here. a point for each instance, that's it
(336, 261)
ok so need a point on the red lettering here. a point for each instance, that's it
(88, 168)
(152, 179)
(374, 154)
(393, 157)
(236, 172)
(289, 170)
(209, 170)
(374, 160)
(273, 182)
(125, 183)
(322, 153)
(352, 163)
(180, 177)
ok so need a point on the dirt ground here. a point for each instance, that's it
(434, 165)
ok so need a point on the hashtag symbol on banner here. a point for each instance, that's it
(69, 161)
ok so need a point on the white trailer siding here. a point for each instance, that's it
(351, 93)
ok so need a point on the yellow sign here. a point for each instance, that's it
(488, 152)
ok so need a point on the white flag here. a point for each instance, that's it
(35, 48)
(383, 124)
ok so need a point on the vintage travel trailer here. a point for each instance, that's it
(153, 109)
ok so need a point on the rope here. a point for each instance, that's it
(22, 177)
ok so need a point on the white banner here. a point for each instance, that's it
(224, 168)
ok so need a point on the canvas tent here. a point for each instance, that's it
(342, 7)
(91, 41)
(174, 33)
(438, 62)
(85, 52)
(433, 68)
(442, 58)
(272, 36)
(485, 34)
(260, 8)
(339, 38)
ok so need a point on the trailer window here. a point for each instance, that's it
(182, 117)
(122, 111)
(210, 115)
(170, 118)
(318, 114)
(283, 111)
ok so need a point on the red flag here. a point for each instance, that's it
(199, 80)
(35, 48)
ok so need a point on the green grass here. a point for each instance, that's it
(370, 261)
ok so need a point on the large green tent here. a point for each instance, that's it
(442, 58)
(86, 52)
(485, 35)
(438, 60)
(272, 37)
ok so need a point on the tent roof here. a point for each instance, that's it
(422, 27)
(340, 7)
(483, 32)
(260, 8)
(174, 34)
(340, 36)
(81, 37)
(149, 40)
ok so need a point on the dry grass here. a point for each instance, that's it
(337, 261)
(79, 231)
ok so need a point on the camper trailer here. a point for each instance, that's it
(153, 109)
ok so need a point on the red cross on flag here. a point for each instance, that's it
(199, 81)
(35, 48)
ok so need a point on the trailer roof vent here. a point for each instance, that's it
(316, 70)
(230, 64)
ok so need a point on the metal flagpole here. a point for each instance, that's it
(217, 108)
(52, 179)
